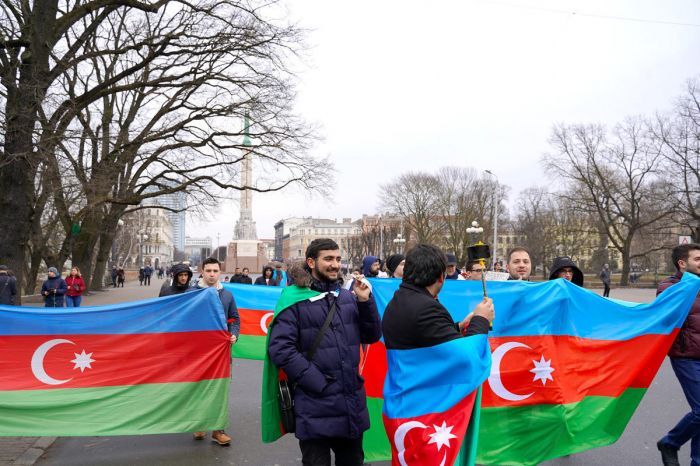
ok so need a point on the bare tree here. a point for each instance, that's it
(613, 179)
(415, 196)
(679, 138)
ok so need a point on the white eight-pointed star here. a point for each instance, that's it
(83, 361)
(442, 435)
(543, 370)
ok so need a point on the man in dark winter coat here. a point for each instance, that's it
(54, 289)
(8, 287)
(414, 318)
(564, 267)
(237, 275)
(245, 278)
(605, 278)
(147, 272)
(685, 360)
(453, 273)
(329, 398)
(179, 283)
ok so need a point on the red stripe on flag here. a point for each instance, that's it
(55, 361)
(255, 321)
(522, 368)
(374, 369)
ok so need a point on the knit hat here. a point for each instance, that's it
(54, 270)
(393, 261)
(3, 267)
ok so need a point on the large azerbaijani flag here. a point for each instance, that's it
(568, 366)
(146, 367)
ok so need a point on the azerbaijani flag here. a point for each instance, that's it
(145, 367)
(429, 395)
(568, 366)
(256, 306)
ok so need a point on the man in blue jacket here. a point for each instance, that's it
(329, 396)
(211, 272)
(53, 289)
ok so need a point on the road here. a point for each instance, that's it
(661, 408)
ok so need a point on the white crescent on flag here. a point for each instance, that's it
(263, 321)
(38, 362)
(495, 381)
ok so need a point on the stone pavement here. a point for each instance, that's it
(27, 450)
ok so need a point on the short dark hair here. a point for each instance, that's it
(518, 249)
(471, 264)
(425, 264)
(318, 245)
(681, 252)
(246, 268)
(211, 260)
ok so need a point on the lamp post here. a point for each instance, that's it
(399, 242)
(217, 245)
(142, 237)
(120, 223)
(474, 230)
(495, 216)
(381, 238)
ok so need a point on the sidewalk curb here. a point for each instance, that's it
(31, 455)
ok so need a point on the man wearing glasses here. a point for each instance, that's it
(473, 270)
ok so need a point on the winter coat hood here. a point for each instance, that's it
(176, 270)
(560, 263)
(367, 265)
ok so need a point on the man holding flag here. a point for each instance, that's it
(433, 372)
(322, 359)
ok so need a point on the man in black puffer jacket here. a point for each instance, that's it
(329, 399)
(8, 287)
(180, 282)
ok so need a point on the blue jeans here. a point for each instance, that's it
(73, 301)
(688, 374)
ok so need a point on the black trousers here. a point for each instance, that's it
(606, 290)
(348, 452)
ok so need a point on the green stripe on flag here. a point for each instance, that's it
(375, 442)
(121, 410)
(249, 347)
(529, 435)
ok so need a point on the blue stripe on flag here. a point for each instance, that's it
(179, 313)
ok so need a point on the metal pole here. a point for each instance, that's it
(381, 239)
(495, 216)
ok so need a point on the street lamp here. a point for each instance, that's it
(399, 242)
(495, 216)
(474, 230)
(217, 245)
(120, 223)
(142, 237)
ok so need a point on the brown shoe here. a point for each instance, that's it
(220, 437)
(199, 435)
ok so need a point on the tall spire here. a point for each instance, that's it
(246, 130)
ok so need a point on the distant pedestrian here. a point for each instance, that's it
(53, 289)
(564, 267)
(147, 272)
(76, 288)
(371, 268)
(8, 287)
(142, 276)
(114, 276)
(236, 278)
(121, 277)
(605, 278)
(245, 279)
(266, 277)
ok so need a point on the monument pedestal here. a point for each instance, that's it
(245, 253)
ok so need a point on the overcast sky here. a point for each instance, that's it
(404, 85)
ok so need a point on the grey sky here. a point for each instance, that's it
(405, 85)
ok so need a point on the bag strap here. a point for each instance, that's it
(319, 336)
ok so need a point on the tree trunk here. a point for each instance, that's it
(97, 279)
(624, 279)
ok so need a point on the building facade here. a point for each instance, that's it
(311, 228)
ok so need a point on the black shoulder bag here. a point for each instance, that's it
(286, 392)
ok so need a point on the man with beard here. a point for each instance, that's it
(180, 282)
(329, 396)
(685, 360)
(519, 265)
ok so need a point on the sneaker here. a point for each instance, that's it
(199, 435)
(669, 455)
(220, 437)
